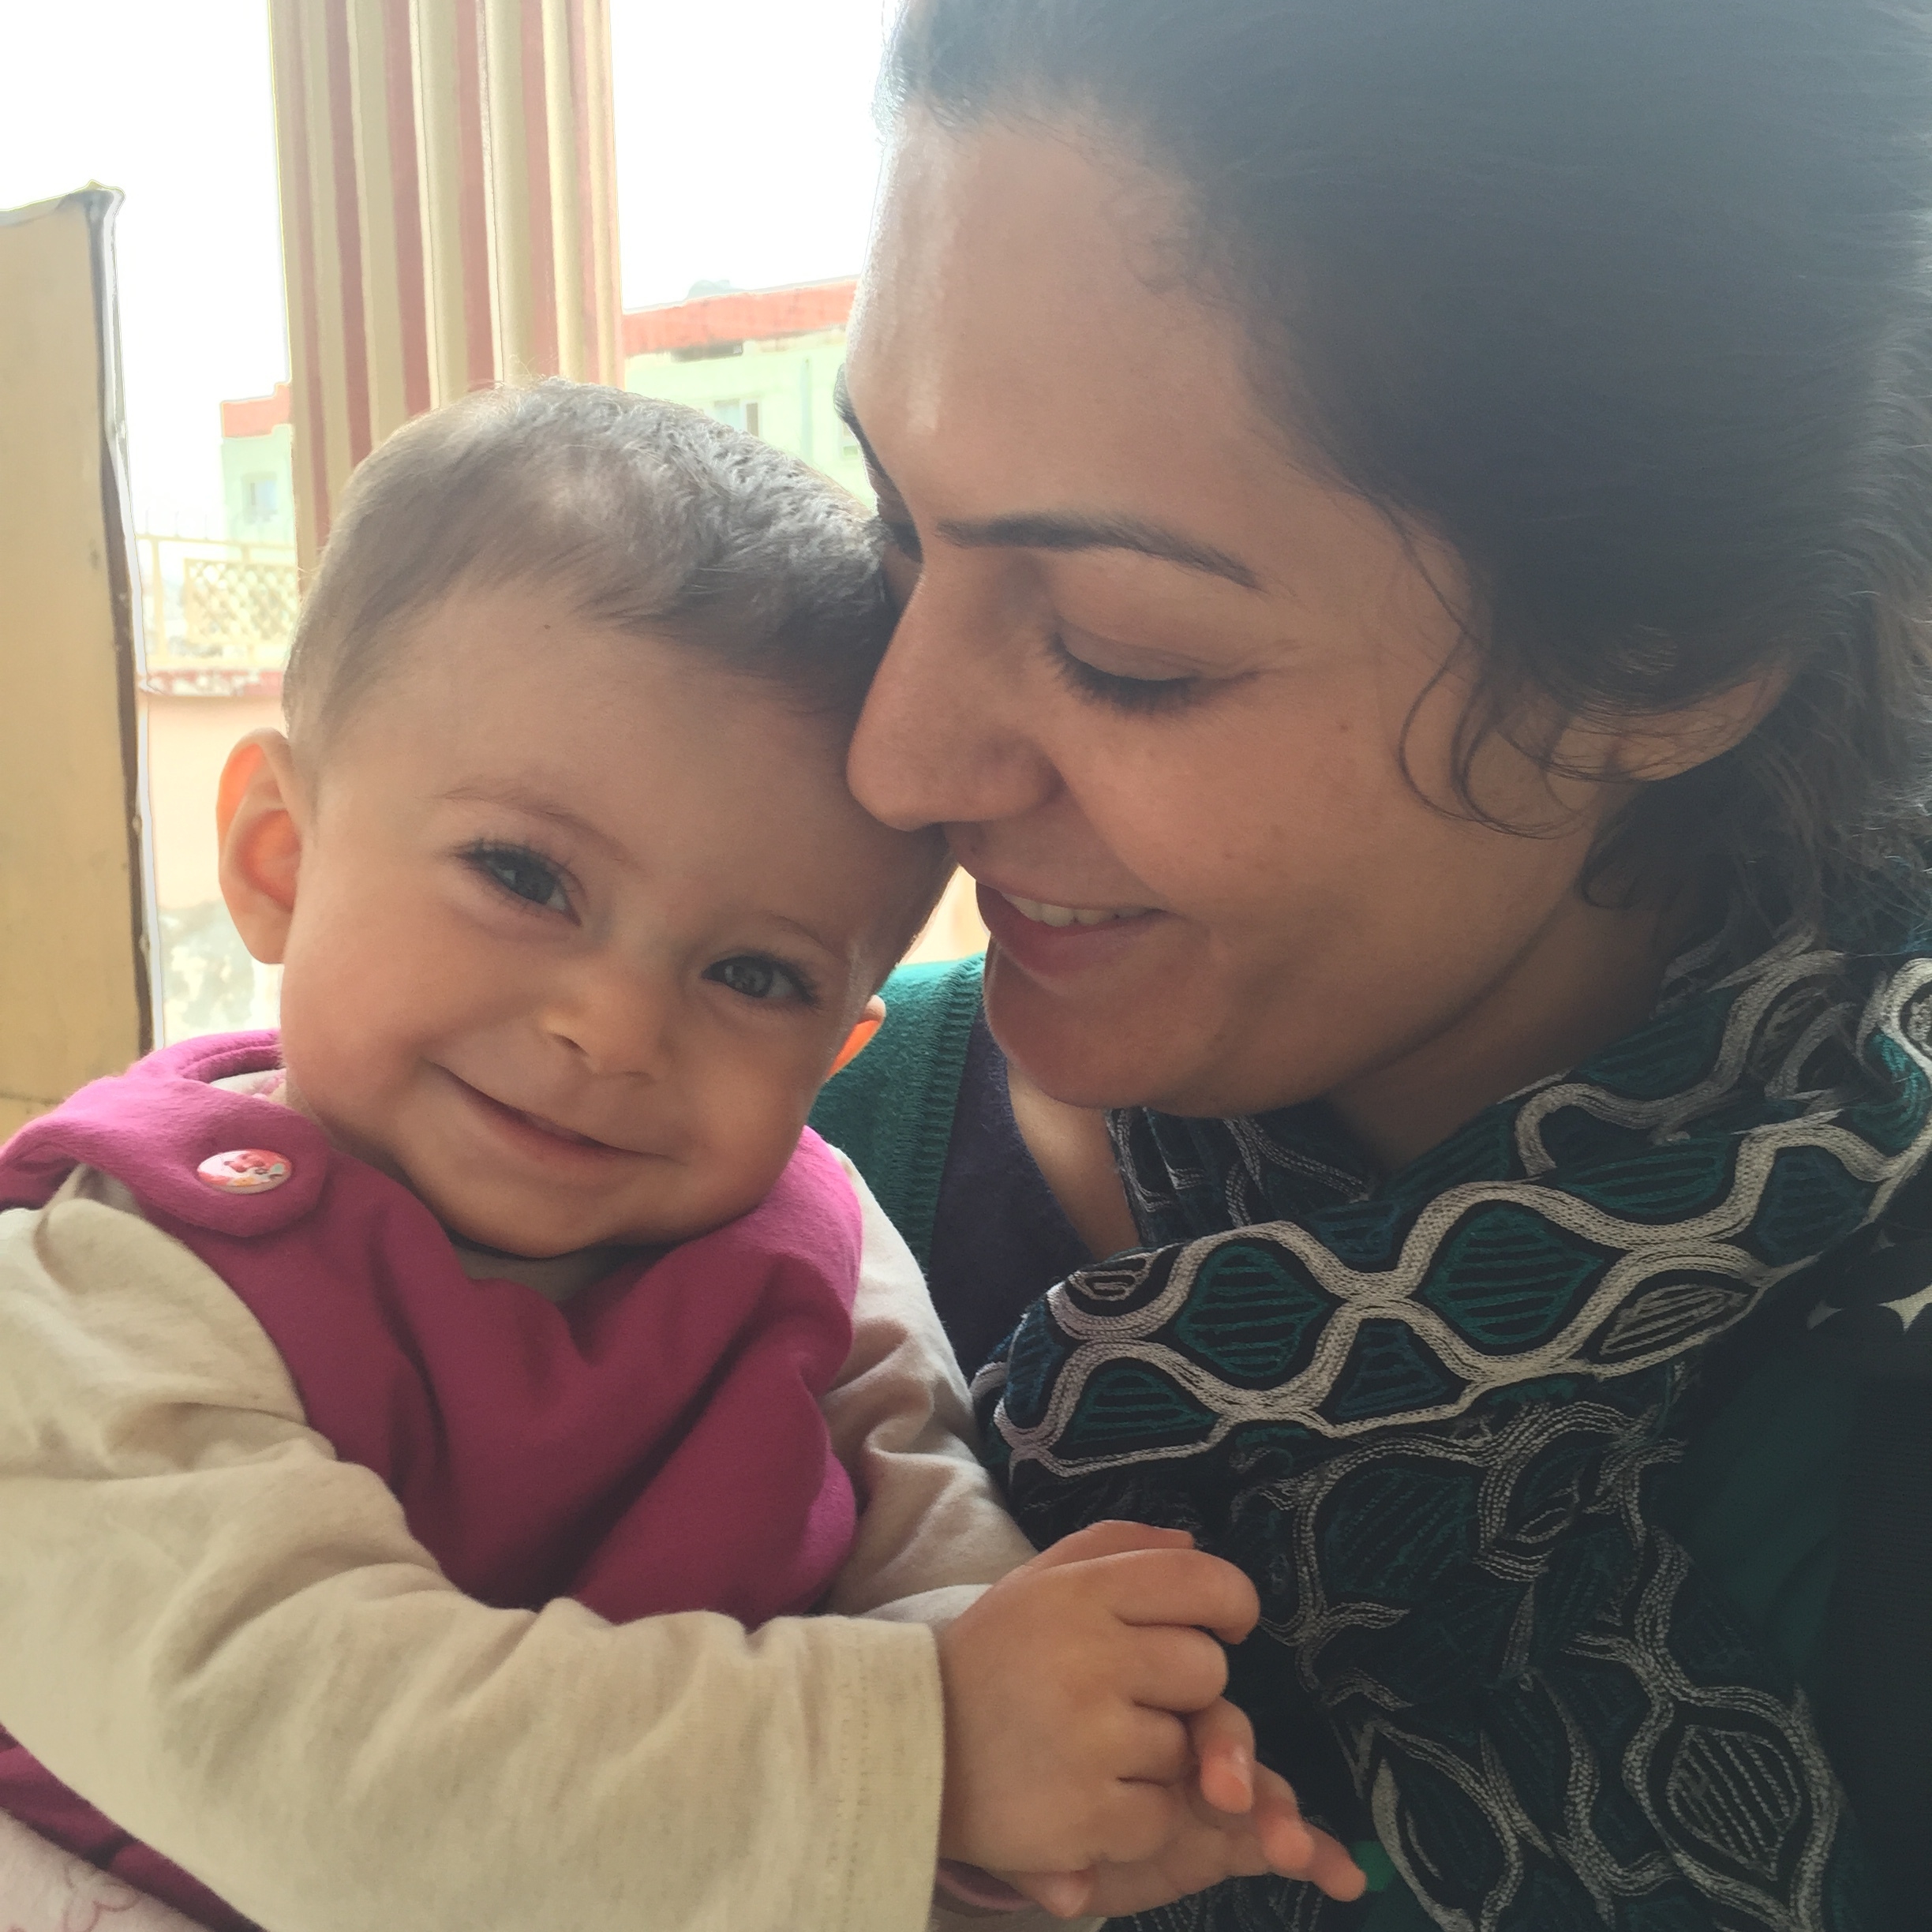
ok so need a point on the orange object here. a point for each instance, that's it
(856, 1042)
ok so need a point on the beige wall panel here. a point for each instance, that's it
(74, 1000)
(189, 740)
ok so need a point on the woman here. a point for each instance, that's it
(1415, 524)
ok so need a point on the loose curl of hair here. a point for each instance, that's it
(1629, 304)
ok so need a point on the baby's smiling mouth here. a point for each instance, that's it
(557, 1133)
(567, 1136)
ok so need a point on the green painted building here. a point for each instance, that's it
(258, 482)
(763, 360)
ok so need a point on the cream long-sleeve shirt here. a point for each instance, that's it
(229, 1640)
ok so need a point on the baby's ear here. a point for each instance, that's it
(260, 842)
(860, 1037)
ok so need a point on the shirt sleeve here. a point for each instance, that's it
(932, 1530)
(228, 1640)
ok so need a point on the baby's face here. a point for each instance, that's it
(581, 923)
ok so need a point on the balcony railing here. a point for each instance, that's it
(218, 615)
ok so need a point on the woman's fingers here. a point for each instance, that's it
(1297, 1849)
(1331, 1869)
(1290, 1841)
(1223, 1742)
(1140, 1821)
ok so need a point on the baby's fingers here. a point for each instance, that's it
(1109, 1538)
(1179, 1586)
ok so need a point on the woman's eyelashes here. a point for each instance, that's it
(902, 535)
(1139, 695)
(895, 521)
(524, 875)
(759, 976)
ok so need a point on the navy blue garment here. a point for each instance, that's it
(988, 1266)
(1433, 1414)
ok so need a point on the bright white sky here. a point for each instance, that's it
(746, 152)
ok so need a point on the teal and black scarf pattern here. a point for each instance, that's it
(1431, 1413)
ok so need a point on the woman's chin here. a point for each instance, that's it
(1091, 1050)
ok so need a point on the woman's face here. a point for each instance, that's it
(1155, 680)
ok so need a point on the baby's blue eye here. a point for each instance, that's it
(523, 874)
(755, 977)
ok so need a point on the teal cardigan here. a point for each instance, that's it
(1757, 1498)
(892, 1109)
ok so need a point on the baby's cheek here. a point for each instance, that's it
(752, 1120)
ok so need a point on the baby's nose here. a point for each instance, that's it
(614, 1022)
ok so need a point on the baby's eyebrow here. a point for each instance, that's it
(538, 805)
(817, 939)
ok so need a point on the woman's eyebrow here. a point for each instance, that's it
(1046, 531)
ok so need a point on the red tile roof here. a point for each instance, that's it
(755, 315)
(750, 315)
(253, 415)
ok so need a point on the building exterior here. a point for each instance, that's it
(763, 360)
(258, 489)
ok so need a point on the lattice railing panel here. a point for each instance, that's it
(231, 608)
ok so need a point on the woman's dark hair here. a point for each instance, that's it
(641, 515)
(1630, 302)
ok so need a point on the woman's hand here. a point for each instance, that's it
(1244, 1822)
(1069, 1687)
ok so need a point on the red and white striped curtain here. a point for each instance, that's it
(449, 214)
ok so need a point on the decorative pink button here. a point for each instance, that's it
(245, 1171)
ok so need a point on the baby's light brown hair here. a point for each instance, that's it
(643, 515)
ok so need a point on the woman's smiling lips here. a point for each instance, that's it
(1041, 937)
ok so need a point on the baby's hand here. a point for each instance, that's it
(1066, 1688)
(1245, 1821)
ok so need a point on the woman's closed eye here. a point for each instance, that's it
(895, 521)
(900, 531)
(757, 976)
(1136, 694)
(523, 874)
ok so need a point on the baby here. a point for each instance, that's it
(422, 1432)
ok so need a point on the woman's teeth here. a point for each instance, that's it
(1070, 915)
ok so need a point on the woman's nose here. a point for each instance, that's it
(939, 741)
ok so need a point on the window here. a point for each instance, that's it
(743, 416)
(172, 105)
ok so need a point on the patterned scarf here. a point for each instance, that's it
(1430, 1415)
